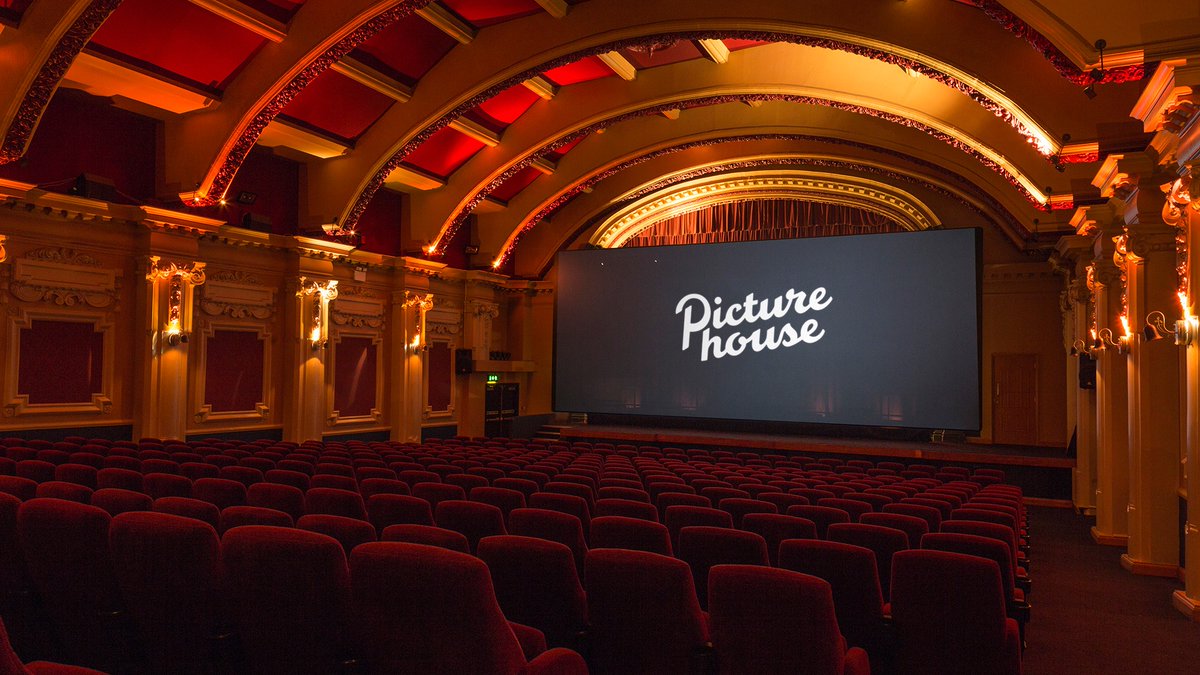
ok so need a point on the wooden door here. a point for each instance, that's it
(1014, 399)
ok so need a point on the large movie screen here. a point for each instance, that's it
(873, 330)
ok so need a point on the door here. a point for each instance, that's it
(1014, 399)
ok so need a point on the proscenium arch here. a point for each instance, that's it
(883, 199)
(408, 127)
(580, 211)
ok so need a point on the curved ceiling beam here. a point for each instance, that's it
(35, 57)
(637, 215)
(599, 27)
(208, 147)
(600, 104)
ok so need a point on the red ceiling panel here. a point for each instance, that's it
(444, 152)
(558, 153)
(406, 49)
(336, 104)
(504, 108)
(180, 38)
(480, 13)
(583, 70)
(509, 188)
(683, 50)
(734, 45)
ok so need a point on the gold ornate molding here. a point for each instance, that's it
(876, 197)
(64, 277)
(237, 295)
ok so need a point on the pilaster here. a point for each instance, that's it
(1148, 255)
(170, 286)
(305, 420)
(1074, 258)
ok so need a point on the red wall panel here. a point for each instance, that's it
(60, 361)
(354, 377)
(233, 373)
(441, 373)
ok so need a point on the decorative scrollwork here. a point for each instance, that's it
(63, 256)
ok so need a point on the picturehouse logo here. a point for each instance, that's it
(703, 318)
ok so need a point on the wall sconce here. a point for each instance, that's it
(320, 294)
(1122, 343)
(1185, 330)
(174, 333)
(422, 303)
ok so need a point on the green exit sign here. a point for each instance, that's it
(493, 378)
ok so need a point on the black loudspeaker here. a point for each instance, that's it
(1087, 372)
(463, 363)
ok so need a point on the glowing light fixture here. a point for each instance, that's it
(422, 304)
(319, 295)
(174, 332)
(1184, 331)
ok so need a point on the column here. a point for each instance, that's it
(169, 314)
(480, 309)
(1112, 417)
(1154, 426)
(409, 350)
(1181, 213)
(305, 417)
(1081, 403)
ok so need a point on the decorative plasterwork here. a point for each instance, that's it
(483, 309)
(886, 200)
(51, 72)
(237, 295)
(358, 307)
(64, 277)
(17, 404)
(954, 186)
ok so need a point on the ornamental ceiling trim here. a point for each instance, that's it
(862, 193)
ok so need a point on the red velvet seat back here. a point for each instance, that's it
(634, 534)
(628, 508)
(159, 485)
(884, 541)
(349, 531)
(429, 535)
(237, 516)
(702, 547)
(853, 577)
(768, 620)
(775, 528)
(964, 631)
(117, 501)
(678, 517)
(392, 509)
(821, 516)
(475, 520)
(286, 498)
(221, 492)
(166, 566)
(738, 507)
(931, 516)
(438, 492)
(644, 613)
(973, 544)
(505, 499)
(536, 584)
(564, 503)
(189, 508)
(369, 487)
(288, 592)
(563, 528)
(335, 502)
(58, 489)
(914, 528)
(423, 609)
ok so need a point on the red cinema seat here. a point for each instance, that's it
(392, 509)
(220, 492)
(10, 663)
(349, 531)
(475, 520)
(702, 547)
(563, 528)
(430, 535)
(277, 496)
(633, 534)
(335, 502)
(189, 508)
(423, 609)
(739, 508)
(537, 584)
(678, 517)
(644, 614)
(117, 501)
(166, 567)
(767, 621)
(58, 489)
(237, 516)
(288, 592)
(775, 529)
(159, 485)
(966, 631)
(854, 579)
(913, 527)
(884, 541)
(627, 508)
(821, 516)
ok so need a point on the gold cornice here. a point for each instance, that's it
(818, 186)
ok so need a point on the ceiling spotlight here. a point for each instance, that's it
(1090, 91)
(246, 197)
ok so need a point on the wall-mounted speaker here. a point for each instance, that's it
(464, 364)
(1087, 372)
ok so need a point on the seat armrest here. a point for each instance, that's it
(856, 662)
(558, 661)
(533, 641)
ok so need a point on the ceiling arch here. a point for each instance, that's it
(636, 215)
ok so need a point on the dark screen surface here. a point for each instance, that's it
(871, 330)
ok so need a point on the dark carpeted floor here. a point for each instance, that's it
(1091, 616)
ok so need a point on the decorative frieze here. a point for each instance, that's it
(64, 277)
